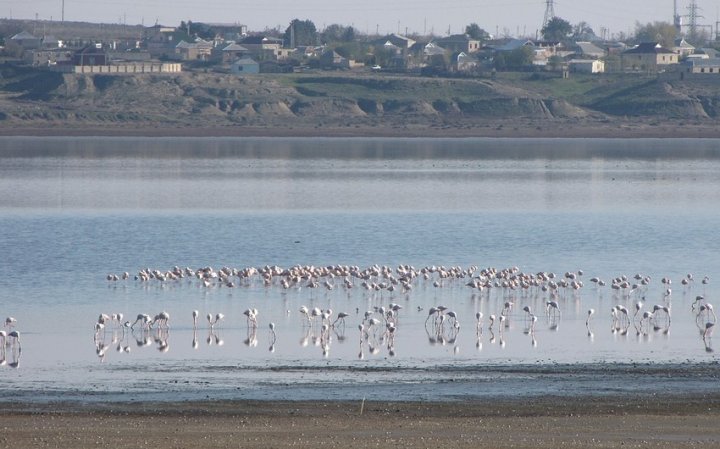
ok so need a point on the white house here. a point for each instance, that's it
(244, 66)
(587, 65)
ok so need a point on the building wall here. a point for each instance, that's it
(588, 67)
(244, 69)
(120, 69)
(647, 61)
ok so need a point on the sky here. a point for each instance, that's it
(513, 17)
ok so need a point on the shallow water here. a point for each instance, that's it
(74, 210)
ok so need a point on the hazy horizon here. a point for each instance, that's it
(514, 17)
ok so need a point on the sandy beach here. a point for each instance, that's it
(630, 422)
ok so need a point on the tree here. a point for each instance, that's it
(663, 33)
(514, 60)
(474, 31)
(300, 32)
(349, 34)
(583, 32)
(557, 29)
(337, 33)
(383, 55)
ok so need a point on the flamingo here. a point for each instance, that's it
(195, 315)
(528, 311)
(554, 306)
(707, 308)
(340, 317)
(304, 311)
(144, 319)
(272, 330)
(638, 306)
(251, 315)
(590, 313)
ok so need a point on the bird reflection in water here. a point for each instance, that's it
(11, 340)
(143, 336)
(213, 338)
(273, 337)
(444, 327)
(251, 340)
(707, 335)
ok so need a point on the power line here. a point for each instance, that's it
(549, 12)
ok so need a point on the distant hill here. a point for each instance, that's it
(357, 104)
(70, 30)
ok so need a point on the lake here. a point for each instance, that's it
(74, 210)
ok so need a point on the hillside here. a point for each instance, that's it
(353, 104)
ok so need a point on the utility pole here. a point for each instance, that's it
(62, 15)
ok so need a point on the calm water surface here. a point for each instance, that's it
(74, 210)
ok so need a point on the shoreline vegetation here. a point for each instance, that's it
(662, 420)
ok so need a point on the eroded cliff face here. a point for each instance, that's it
(216, 100)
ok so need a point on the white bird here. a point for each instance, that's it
(195, 315)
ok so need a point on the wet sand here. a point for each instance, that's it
(629, 421)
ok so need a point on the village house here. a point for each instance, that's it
(333, 60)
(265, 48)
(510, 45)
(26, 41)
(199, 50)
(399, 41)
(232, 52)
(683, 48)
(701, 65)
(432, 50)
(459, 43)
(244, 66)
(90, 55)
(44, 58)
(648, 56)
(587, 50)
(160, 41)
(586, 65)
(465, 63)
(228, 32)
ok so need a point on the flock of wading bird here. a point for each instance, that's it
(378, 327)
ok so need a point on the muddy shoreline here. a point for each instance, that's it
(500, 130)
(655, 421)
